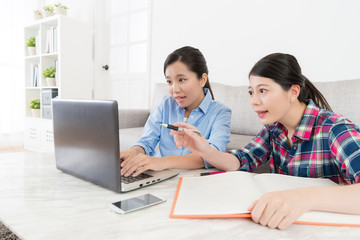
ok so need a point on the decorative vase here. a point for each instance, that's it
(61, 11)
(50, 82)
(35, 113)
(37, 17)
(48, 14)
(32, 51)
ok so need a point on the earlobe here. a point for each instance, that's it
(204, 79)
(294, 92)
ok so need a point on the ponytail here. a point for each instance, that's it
(309, 91)
(285, 70)
(207, 85)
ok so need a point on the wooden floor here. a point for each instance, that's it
(10, 150)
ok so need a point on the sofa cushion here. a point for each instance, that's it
(238, 141)
(244, 120)
(129, 136)
(132, 118)
(160, 91)
(343, 97)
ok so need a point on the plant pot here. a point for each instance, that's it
(35, 113)
(32, 51)
(50, 82)
(61, 11)
(48, 14)
(37, 17)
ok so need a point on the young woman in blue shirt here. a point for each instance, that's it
(190, 100)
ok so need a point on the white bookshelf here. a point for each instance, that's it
(73, 54)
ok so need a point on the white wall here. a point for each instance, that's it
(324, 35)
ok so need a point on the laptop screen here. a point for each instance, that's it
(86, 139)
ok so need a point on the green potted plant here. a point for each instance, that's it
(48, 11)
(35, 107)
(49, 74)
(37, 14)
(61, 9)
(30, 44)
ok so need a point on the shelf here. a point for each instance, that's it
(50, 87)
(33, 88)
(70, 43)
(43, 87)
(52, 55)
(35, 57)
(35, 118)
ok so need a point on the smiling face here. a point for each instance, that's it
(184, 86)
(269, 100)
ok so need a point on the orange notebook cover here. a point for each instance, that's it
(201, 197)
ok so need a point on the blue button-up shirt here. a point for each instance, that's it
(212, 118)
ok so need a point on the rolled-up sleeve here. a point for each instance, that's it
(151, 133)
(255, 153)
(220, 132)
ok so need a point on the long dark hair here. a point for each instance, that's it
(284, 69)
(193, 59)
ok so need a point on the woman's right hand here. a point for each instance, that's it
(200, 146)
(130, 153)
(127, 154)
(192, 141)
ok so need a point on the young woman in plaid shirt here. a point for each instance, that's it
(301, 137)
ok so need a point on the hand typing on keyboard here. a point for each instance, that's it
(131, 179)
(135, 161)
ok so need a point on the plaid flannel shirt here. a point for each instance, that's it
(324, 145)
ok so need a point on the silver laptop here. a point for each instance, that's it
(86, 138)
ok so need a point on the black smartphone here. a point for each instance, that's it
(135, 203)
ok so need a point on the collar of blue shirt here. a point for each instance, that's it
(204, 105)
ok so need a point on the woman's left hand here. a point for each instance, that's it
(140, 163)
(279, 209)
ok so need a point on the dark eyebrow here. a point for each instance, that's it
(179, 75)
(261, 85)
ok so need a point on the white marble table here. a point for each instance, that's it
(37, 201)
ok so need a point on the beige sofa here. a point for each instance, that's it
(343, 97)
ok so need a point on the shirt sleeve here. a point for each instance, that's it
(257, 152)
(220, 132)
(344, 142)
(151, 133)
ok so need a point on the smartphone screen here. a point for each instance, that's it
(139, 202)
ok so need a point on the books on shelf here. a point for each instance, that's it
(56, 69)
(34, 75)
(51, 40)
(228, 195)
(46, 96)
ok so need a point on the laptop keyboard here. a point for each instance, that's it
(131, 179)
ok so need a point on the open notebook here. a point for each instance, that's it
(228, 195)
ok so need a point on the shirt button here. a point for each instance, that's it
(294, 148)
(192, 116)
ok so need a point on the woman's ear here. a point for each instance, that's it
(294, 92)
(204, 79)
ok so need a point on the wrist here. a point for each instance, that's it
(208, 153)
(137, 149)
(166, 162)
(311, 198)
